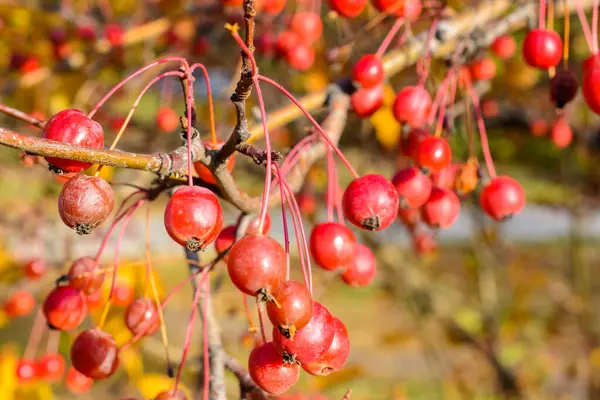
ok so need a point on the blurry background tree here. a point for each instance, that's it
(463, 306)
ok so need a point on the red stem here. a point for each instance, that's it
(542, 16)
(482, 132)
(587, 33)
(136, 73)
(211, 108)
(39, 326)
(595, 26)
(286, 237)
(315, 123)
(388, 38)
(330, 182)
(188, 106)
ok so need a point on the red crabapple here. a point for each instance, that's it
(291, 308)
(270, 372)
(334, 359)
(65, 308)
(361, 271)
(370, 202)
(95, 354)
(332, 245)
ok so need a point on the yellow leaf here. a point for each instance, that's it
(470, 320)
(8, 366)
(150, 385)
(387, 129)
(389, 95)
(132, 362)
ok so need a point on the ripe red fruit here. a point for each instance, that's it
(409, 9)
(73, 127)
(332, 245)
(84, 275)
(307, 203)
(301, 57)
(65, 308)
(201, 46)
(94, 300)
(368, 71)
(85, 202)
(504, 46)
(256, 264)
(483, 69)
(370, 202)
(412, 105)
(35, 268)
(51, 367)
(590, 63)
(434, 154)
(193, 217)
(114, 34)
(591, 89)
(308, 25)
(291, 309)
(273, 7)
(539, 127)
(225, 239)
(562, 134)
(31, 64)
(366, 101)
(76, 382)
(410, 143)
(171, 395)
(266, 44)
(442, 208)
(335, 357)
(423, 243)
(286, 41)
(446, 177)
(563, 87)
(19, 304)
(348, 8)
(409, 216)
(142, 316)
(310, 342)
(502, 198)
(203, 172)
(123, 294)
(167, 119)
(542, 48)
(361, 271)
(27, 371)
(253, 226)
(413, 187)
(95, 354)
(270, 372)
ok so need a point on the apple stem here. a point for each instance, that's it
(587, 33)
(252, 327)
(188, 105)
(286, 237)
(542, 16)
(39, 326)
(211, 107)
(260, 320)
(566, 34)
(424, 63)
(388, 38)
(482, 132)
(330, 189)
(595, 27)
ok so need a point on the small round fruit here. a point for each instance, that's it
(502, 198)
(77, 383)
(273, 7)
(563, 87)
(413, 187)
(409, 216)
(591, 89)
(270, 372)
(483, 69)
(590, 63)
(308, 25)
(193, 217)
(65, 308)
(85, 202)
(256, 264)
(332, 245)
(348, 8)
(301, 57)
(442, 209)
(203, 172)
(423, 243)
(291, 309)
(310, 342)
(141, 316)
(504, 46)
(171, 395)
(366, 101)
(409, 9)
(27, 371)
(123, 294)
(542, 48)
(35, 268)
(335, 357)
(286, 41)
(368, 71)
(412, 105)
(362, 269)
(19, 304)
(95, 354)
(114, 34)
(434, 154)
(167, 119)
(410, 143)
(73, 127)
(85, 275)
(225, 239)
(51, 367)
(561, 134)
(370, 202)
(446, 177)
